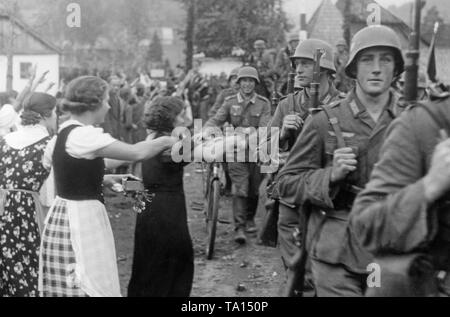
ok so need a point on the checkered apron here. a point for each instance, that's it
(58, 265)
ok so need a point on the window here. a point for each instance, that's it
(25, 70)
(167, 36)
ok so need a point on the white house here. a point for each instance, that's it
(29, 49)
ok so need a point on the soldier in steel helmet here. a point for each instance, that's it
(264, 62)
(343, 83)
(243, 110)
(334, 156)
(290, 116)
(283, 64)
(233, 89)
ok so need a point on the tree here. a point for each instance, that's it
(155, 51)
(189, 36)
(221, 25)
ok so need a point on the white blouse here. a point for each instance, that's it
(26, 136)
(82, 143)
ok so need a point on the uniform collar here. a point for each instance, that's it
(357, 107)
(327, 98)
(241, 99)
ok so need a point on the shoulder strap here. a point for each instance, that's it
(434, 111)
(336, 127)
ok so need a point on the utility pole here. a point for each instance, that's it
(11, 8)
(190, 32)
(10, 54)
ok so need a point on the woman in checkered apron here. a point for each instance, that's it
(78, 256)
(21, 177)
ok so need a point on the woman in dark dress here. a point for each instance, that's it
(163, 264)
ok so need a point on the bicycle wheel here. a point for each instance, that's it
(212, 217)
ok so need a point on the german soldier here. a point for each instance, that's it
(245, 109)
(403, 211)
(343, 83)
(333, 157)
(263, 61)
(283, 63)
(232, 90)
(289, 118)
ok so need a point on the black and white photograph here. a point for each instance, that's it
(225, 153)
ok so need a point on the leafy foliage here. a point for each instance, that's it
(223, 25)
(155, 51)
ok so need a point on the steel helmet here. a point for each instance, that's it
(373, 36)
(248, 72)
(293, 37)
(259, 44)
(234, 72)
(307, 49)
(341, 42)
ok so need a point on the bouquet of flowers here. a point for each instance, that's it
(133, 188)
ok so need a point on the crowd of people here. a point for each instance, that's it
(369, 170)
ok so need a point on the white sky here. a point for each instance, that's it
(295, 7)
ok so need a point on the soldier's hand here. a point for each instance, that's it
(291, 122)
(344, 162)
(437, 181)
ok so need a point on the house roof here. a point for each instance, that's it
(28, 30)
(327, 24)
(327, 21)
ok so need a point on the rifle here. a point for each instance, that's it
(297, 266)
(291, 83)
(268, 236)
(274, 99)
(412, 57)
(291, 90)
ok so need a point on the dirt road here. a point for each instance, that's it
(249, 271)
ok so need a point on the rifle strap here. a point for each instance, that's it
(334, 122)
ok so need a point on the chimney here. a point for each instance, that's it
(303, 27)
(303, 24)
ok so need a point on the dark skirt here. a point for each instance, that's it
(163, 264)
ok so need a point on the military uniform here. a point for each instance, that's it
(391, 215)
(288, 220)
(245, 177)
(264, 64)
(224, 94)
(283, 67)
(338, 262)
(301, 105)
